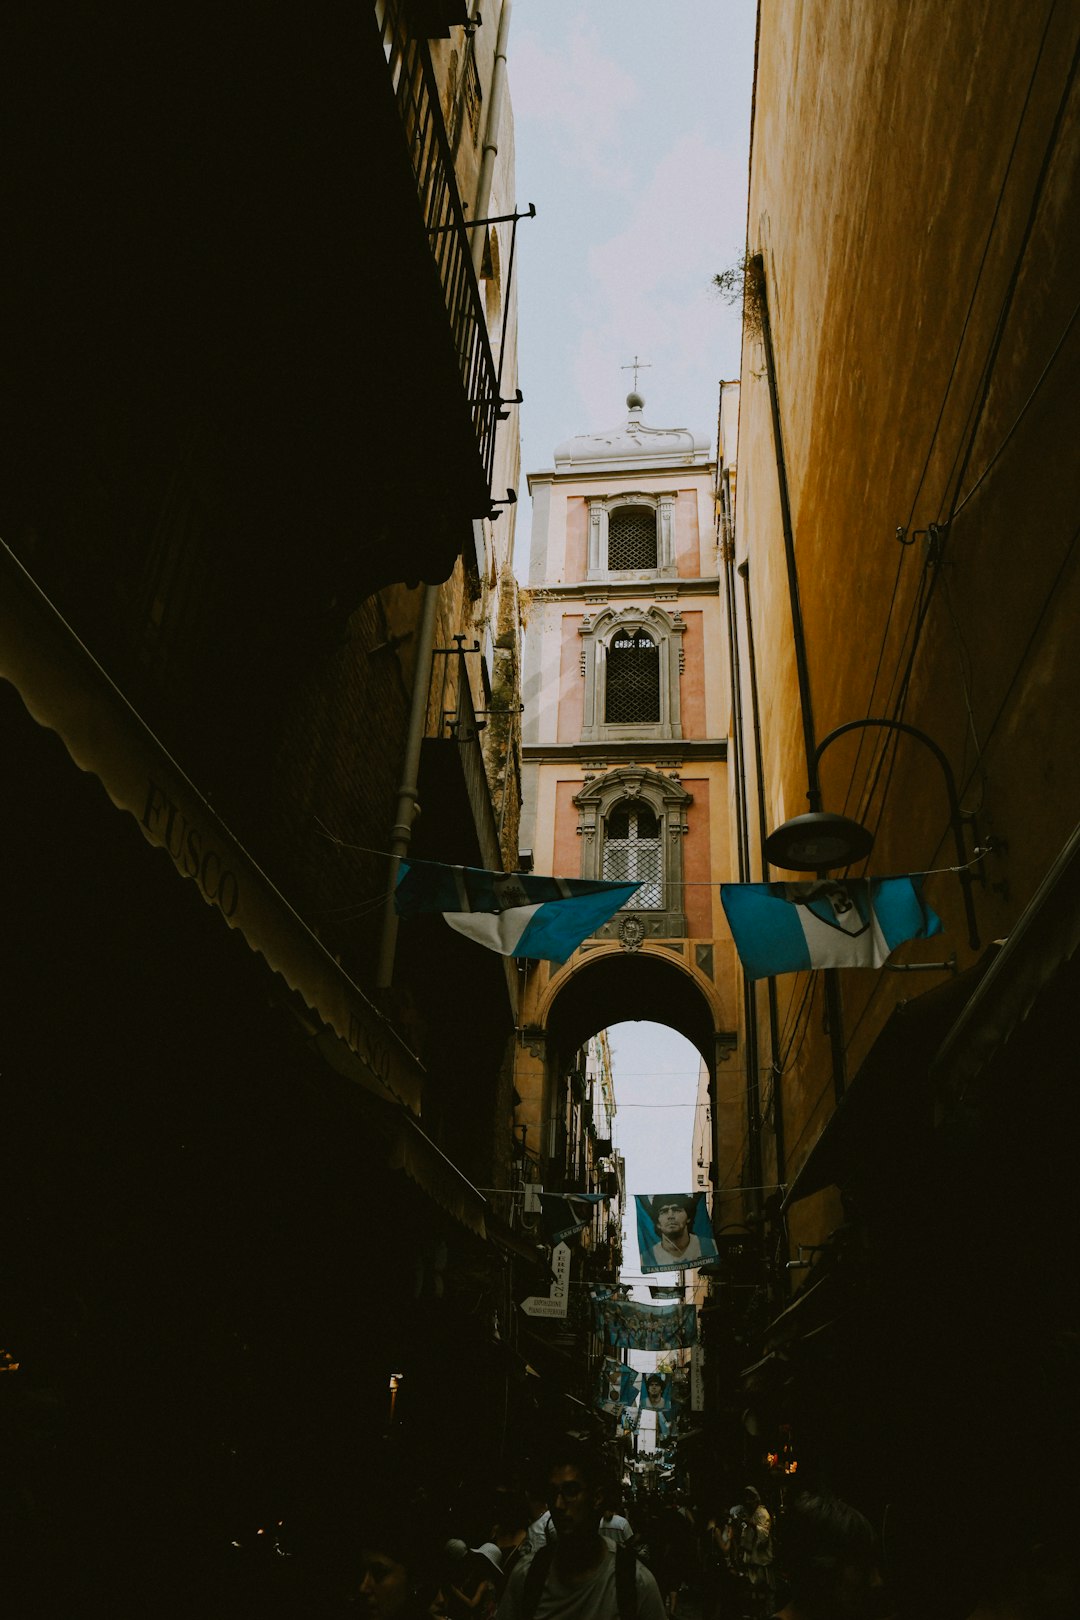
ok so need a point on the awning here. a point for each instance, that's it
(1042, 947)
(417, 1155)
(67, 691)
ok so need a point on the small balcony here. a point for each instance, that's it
(416, 97)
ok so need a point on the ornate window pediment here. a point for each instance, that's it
(632, 822)
(631, 534)
(631, 662)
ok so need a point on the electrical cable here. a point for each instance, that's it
(983, 257)
(1014, 278)
(941, 414)
(1023, 411)
(877, 672)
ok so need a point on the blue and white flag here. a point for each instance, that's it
(787, 927)
(674, 1231)
(562, 1217)
(619, 1386)
(513, 913)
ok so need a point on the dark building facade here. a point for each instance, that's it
(251, 426)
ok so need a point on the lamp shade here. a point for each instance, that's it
(818, 841)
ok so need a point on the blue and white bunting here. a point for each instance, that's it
(788, 927)
(513, 913)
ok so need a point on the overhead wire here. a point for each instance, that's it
(1044, 373)
(887, 744)
(950, 380)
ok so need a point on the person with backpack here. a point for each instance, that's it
(582, 1575)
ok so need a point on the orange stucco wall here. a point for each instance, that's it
(692, 686)
(881, 136)
(697, 864)
(571, 685)
(567, 846)
(688, 538)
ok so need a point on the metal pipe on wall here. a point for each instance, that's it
(763, 828)
(834, 1011)
(407, 802)
(750, 1020)
(496, 98)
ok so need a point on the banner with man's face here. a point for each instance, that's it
(674, 1231)
(656, 1393)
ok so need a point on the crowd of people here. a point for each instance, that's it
(576, 1550)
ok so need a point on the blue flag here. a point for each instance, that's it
(619, 1386)
(513, 913)
(786, 927)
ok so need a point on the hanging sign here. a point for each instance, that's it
(556, 1302)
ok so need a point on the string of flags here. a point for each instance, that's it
(513, 913)
(789, 927)
(777, 927)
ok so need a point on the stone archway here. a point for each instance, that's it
(614, 986)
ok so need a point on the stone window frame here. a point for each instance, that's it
(669, 801)
(600, 510)
(597, 634)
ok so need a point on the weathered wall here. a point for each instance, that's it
(895, 145)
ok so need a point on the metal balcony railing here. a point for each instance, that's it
(417, 96)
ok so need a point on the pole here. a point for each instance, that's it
(834, 1011)
(407, 801)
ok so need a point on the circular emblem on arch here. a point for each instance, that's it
(631, 933)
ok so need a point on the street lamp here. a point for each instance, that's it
(817, 841)
(395, 1382)
(821, 840)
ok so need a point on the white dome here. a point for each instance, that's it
(634, 444)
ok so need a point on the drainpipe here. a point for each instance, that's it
(496, 97)
(798, 629)
(833, 1007)
(405, 814)
(750, 1021)
(774, 1016)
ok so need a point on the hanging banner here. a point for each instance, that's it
(792, 927)
(697, 1378)
(619, 1387)
(554, 1303)
(624, 1324)
(563, 1217)
(656, 1393)
(674, 1231)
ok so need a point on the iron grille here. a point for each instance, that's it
(632, 538)
(417, 95)
(633, 679)
(634, 853)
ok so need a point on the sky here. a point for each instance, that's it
(632, 122)
(632, 128)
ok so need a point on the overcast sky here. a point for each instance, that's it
(632, 126)
(632, 123)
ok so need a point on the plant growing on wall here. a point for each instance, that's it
(741, 283)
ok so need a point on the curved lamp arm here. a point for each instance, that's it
(956, 815)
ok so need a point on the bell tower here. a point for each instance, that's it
(625, 725)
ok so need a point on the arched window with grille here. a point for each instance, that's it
(631, 538)
(631, 662)
(632, 534)
(633, 852)
(632, 823)
(632, 696)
